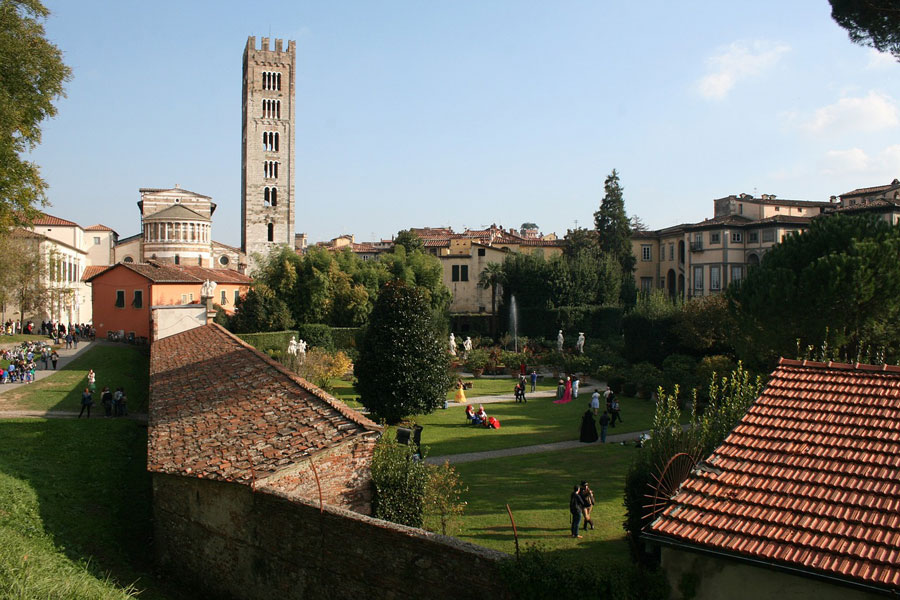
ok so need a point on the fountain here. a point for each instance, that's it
(514, 321)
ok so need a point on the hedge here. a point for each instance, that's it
(269, 340)
(345, 338)
(597, 322)
(316, 334)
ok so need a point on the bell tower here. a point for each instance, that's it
(267, 147)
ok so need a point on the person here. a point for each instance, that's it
(116, 401)
(588, 428)
(92, 378)
(68, 341)
(470, 415)
(53, 358)
(123, 404)
(604, 425)
(575, 383)
(87, 401)
(560, 391)
(522, 369)
(460, 392)
(533, 380)
(616, 414)
(106, 399)
(595, 402)
(45, 356)
(567, 392)
(520, 390)
(587, 496)
(481, 416)
(576, 507)
(609, 398)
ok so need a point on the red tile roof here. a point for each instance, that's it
(807, 480)
(872, 190)
(219, 409)
(165, 273)
(99, 227)
(48, 220)
(91, 270)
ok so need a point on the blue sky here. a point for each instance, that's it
(413, 113)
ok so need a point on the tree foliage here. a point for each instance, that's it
(612, 224)
(25, 276)
(842, 276)
(399, 482)
(409, 240)
(403, 367)
(33, 78)
(261, 310)
(874, 23)
(443, 497)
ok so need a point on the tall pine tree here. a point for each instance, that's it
(613, 226)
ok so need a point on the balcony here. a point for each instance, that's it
(697, 246)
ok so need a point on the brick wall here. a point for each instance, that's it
(343, 472)
(236, 543)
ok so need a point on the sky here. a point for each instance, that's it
(468, 113)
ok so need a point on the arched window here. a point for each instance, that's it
(278, 79)
(177, 260)
(200, 260)
(277, 109)
(128, 259)
(266, 199)
(271, 228)
(274, 197)
(276, 141)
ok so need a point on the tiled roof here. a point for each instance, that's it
(219, 409)
(872, 190)
(875, 205)
(436, 243)
(176, 212)
(91, 270)
(176, 190)
(99, 227)
(163, 273)
(48, 220)
(807, 480)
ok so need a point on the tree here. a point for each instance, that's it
(403, 367)
(612, 224)
(839, 279)
(261, 310)
(33, 77)
(873, 23)
(409, 240)
(24, 281)
(526, 226)
(637, 224)
(491, 277)
(580, 240)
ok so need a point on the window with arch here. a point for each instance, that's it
(270, 196)
(270, 141)
(271, 109)
(177, 260)
(267, 201)
(271, 80)
(128, 259)
(270, 169)
(271, 231)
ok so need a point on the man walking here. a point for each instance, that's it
(604, 425)
(533, 380)
(576, 507)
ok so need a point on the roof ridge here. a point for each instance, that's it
(885, 368)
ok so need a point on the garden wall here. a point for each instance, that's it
(239, 543)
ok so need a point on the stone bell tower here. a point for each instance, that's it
(267, 148)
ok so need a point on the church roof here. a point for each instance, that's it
(176, 213)
(174, 190)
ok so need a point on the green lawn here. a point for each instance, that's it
(537, 488)
(119, 365)
(75, 510)
(539, 421)
(7, 340)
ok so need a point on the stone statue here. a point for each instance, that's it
(579, 345)
(207, 289)
(452, 344)
(559, 341)
(293, 346)
(467, 346)
(301, 348)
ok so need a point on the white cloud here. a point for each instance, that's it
(881, 60)
(884, 164)
(736, 62)
(873, 112)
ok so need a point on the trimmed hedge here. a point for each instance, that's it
(269, 340)
(597, 322)
(316, 334)
(345, 338)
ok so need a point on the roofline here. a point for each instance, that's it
(45, 238)
(676, 543)
(157, 190)
(788, 362)
(334, 403)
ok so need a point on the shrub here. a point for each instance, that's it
(403, 367)
(443, 496)
(478, 359)
(321, 366)
(276, 341)
(345, 338)
(316, 335)
(646, 378)
(399, 483)
(678, 369)
(512, 360)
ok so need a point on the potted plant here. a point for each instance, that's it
(477, 362)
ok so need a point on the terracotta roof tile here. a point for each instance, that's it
(219, 409)
(49, 220)
(99, 227)
(808, 478)
(164, 273)
(91, 270)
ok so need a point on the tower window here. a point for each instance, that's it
(177, 260)
(271, 80)
(271, 232)
(274, 197)
(270, 141)
(266, 199)
(271, 109)
(270, 169)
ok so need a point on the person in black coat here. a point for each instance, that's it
(588, 427)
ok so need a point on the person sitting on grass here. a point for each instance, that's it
(470, 415)
(481, 416)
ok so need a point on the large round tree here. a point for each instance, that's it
(403, 367)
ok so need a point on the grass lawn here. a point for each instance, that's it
(537, 488)
(75, 509)
(537, 422)
(8, 340)
(119, 365)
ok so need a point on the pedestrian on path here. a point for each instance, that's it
(53, 358)
(576, 507)
(106, 398)
(87, 401)
(595, 402)
(588, 428)
(92, 379)
(604, 425)
(68, 341)
(533, 379)
(587, 496)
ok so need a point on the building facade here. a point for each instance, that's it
(267, 147)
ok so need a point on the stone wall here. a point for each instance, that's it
(234, 542)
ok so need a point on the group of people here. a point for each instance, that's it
(115, 404)
(481, 418)
(608, 418)
(581, 502)
(22, 365)
(71, 333)
(567, 390)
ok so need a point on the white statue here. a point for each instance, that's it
(579, 345)
(301, 348)
(467, 345)
(559, 341)
(207, 289)
(452, 344)
(293, 346)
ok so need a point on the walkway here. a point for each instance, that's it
(453, 459)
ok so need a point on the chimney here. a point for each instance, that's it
(210, 311)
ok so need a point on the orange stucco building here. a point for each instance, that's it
(125, 293)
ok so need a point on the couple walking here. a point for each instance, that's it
(581, 502)
(567, 390)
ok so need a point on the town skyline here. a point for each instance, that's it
(501, 114)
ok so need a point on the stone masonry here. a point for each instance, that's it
(267, 147)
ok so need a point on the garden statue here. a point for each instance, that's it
(467, 346)
(293, 346)
(452, 344)
(207, 289)
(559, 341)
(579, 345)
